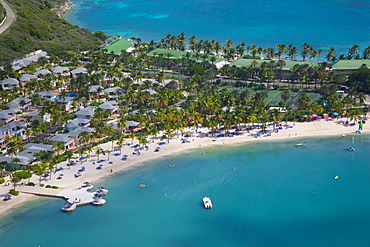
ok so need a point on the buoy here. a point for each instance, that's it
(142, 185)
(172, 165)
(336, 177)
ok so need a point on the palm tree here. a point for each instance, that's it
(15, 180)
(98, 151)
(354, 115)
(285, 95)
(108, 152)
(84, 137)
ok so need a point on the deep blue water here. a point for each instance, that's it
(277, 196)
(322, 24)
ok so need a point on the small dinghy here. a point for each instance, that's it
(301, 144)
(207, 202)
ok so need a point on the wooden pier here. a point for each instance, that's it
(78, 197)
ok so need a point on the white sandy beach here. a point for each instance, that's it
(317, 128)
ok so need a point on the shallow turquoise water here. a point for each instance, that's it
(278, 195)
(322, 24)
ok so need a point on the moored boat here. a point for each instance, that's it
(352, 148)
(98, 200)
(69, 207)
(102, 191)
(87, 186)
(207, 202)
(301, 144)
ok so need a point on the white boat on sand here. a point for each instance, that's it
(207, 202)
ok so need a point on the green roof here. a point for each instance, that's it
(247, 62)
(179, 54)
(118, 46)
(112, 38)
(288, 64)
(351, 64)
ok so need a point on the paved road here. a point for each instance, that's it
(10, 17)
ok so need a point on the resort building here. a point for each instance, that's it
(77, 71)
(48, 95)
(76, 123)
(9, 83)
(42, 72)
(349, 66)
(59, 70)
(285, 65)
(76, 132)
(20, 104)
(67, 141)
(7, 116)
(150, 91)
(96, 90)
(27, 77)
(87, 112)
(111, 106)
(27, 155)
(112, 39)
(30, 58)
(66, 101)
(14, 128)
(119, 45)
(114, 92)
(35, 115)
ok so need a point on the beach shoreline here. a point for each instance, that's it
(175, 146)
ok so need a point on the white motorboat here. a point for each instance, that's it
(301, 144)
(98, 200)
(102, 191)
(87, 186)
(69, 207)
(207, 202)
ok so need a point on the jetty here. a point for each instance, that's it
(76, 197)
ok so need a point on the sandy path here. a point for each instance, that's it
(10, 17)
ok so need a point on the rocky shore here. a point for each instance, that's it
(62, 9)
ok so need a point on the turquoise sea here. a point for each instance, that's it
(265, 194)
(265, 23)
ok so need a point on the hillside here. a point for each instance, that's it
(2, 13)
(37, 27)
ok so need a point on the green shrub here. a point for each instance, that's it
(14, 192)
(42, 185)
(22, 174)
(2, 180)
(30, 184)
(54, 187)
(48, 186)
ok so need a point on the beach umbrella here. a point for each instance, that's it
(313, 115)
(335, 113)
